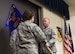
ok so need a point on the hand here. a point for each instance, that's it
(47, 44)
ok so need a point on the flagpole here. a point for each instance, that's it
(50, 50)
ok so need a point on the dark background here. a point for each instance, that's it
(4, 10)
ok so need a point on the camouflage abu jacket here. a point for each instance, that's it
(24, 39)
(51, 37)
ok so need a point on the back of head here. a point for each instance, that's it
(28, 14)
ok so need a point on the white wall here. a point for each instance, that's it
(56, 20)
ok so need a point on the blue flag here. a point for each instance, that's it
(71, 39)
(13, 19)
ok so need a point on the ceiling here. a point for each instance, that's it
(71, 3)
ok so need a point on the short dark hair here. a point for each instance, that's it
(27, 15)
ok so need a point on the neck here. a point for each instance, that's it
(30, 20)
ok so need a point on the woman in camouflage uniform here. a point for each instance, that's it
(25, 38)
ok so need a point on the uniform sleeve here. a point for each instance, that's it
(13, 40)
(53, 39)
(39, 34)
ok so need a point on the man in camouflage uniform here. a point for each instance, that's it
(25, 38)
(50, 35)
